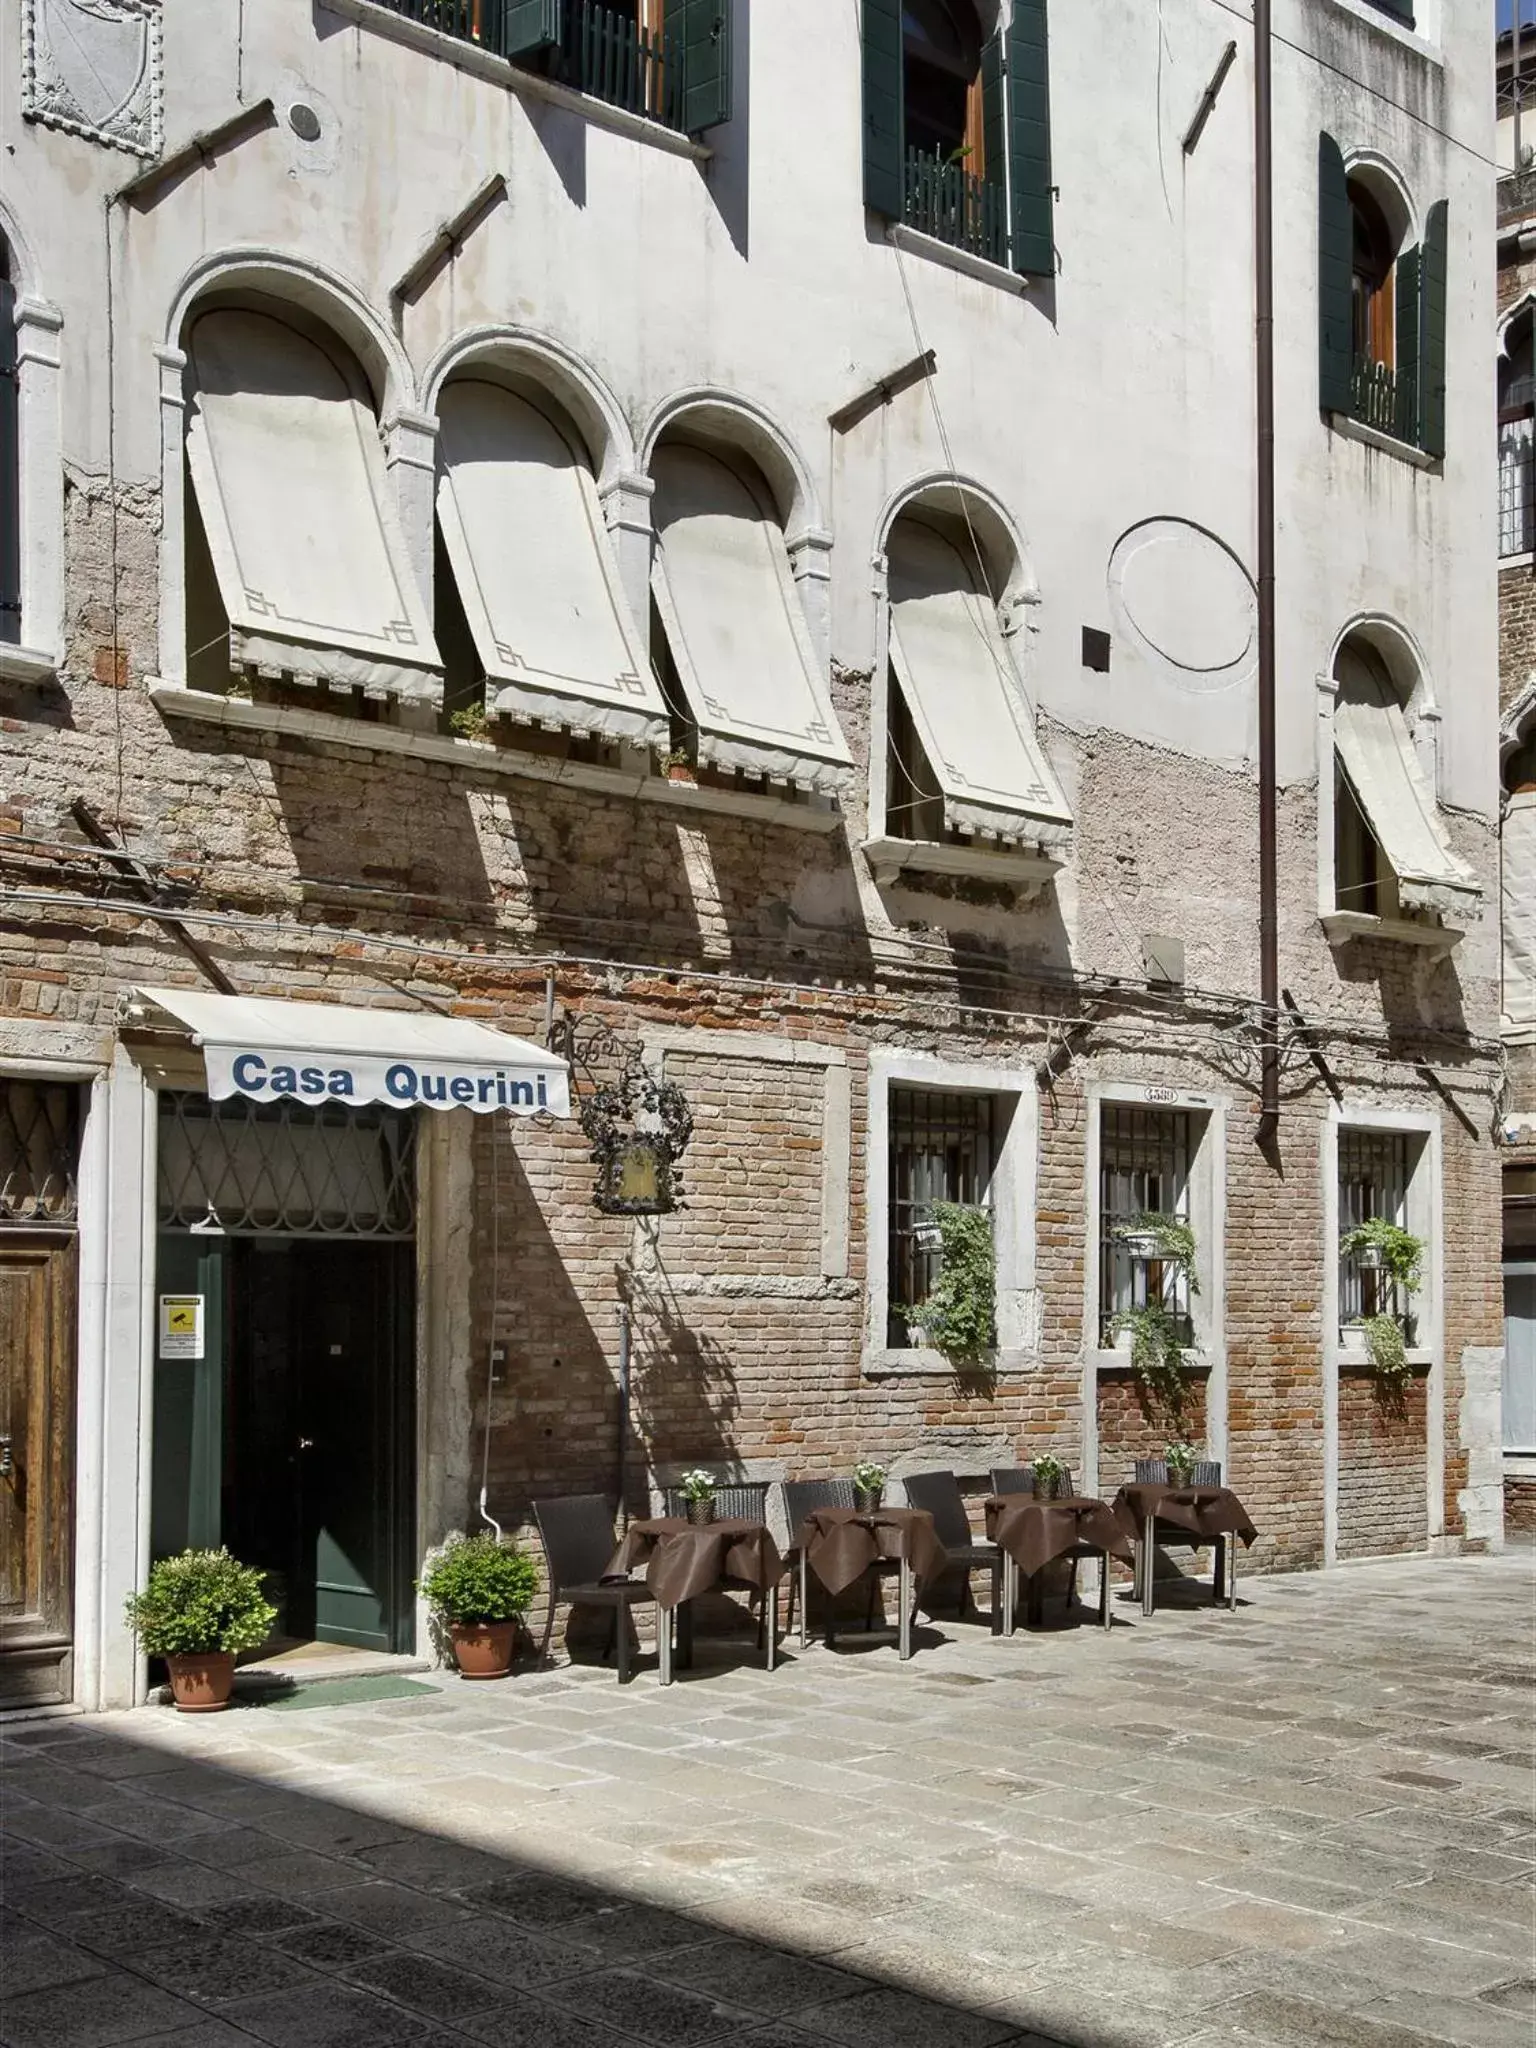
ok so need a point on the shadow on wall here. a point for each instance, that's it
(683, 1381)
(361, 835)
(152, 1892)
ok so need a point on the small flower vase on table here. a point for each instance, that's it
(702, 1512)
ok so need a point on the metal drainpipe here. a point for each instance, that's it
(1264, 323)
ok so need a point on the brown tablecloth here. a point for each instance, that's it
(683, 1559)
(1207, 1511)
(840, 1544)
(1034, 1530)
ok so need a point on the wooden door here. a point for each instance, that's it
(37, 1384)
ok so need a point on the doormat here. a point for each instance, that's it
(345, 1692)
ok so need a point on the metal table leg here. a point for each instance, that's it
(1010, 1592)
(771, 1602)
(1147, 1573)
(665, 1617)
(904, 1611)
(1104, 1615)
(805, 1589)
(1232, 1581)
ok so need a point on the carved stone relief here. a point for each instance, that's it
(93, 67)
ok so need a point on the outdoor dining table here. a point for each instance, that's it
(1212, 1512)
(1032, 1531)
(683, 1559)
(840, 1544)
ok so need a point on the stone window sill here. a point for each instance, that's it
(1356, 1364)
(1388, 444)
(1520, 1465)
(1516, 562)
(933, 1365)
(1197, 1365)
(1343, 925)
(889, 858)
(1408, 38)
(432, 42)
(25, 664)
(329, 729)
(901, 237)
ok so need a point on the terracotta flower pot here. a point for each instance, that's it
(483, 1649)
(202, 1684)
(701, 1512)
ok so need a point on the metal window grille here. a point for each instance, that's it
(285, 1169)
(1373, 1181)
(941, 1149)
(1386, 399)
(39, 1147)
(1144, 1160)
(1517, 485)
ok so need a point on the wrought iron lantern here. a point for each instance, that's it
(638, 1127)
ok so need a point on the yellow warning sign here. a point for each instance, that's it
(181, 1326)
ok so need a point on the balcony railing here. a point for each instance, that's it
(968, 213)
(1386, 399)
(598, 51)
(1517, 486)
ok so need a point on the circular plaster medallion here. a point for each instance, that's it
(1188, 599)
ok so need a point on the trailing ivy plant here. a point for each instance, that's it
(1400, 1255)
(960, 1315)
(1173, 1237)
(1157, 1354)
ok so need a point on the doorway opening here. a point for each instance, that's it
(285, 1358)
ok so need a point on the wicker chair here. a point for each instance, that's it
(1165, 1535)
(577, 1535)
(802, 1497)
(938, 1494)
(1013, 1478)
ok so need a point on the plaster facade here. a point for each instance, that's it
(1096, 428)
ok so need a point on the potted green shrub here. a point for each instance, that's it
(1155, 1238)
(959, 1317)
(698, 1489)
(198, 1611)
(868, 1486)
(480, 1587)
(1377, 1246)
(1048, 1473)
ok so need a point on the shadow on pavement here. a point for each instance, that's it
(173, 1902)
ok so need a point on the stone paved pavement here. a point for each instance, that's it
(1309, 1822)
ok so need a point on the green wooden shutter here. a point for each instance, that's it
(1030, 192)
(884, 184)
(994, 117)
(1335, 273)
(1434, 264)
(701, 31)
(531, 25)
(1409, 290)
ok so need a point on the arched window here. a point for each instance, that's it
(297, 570)
(1392, 856)
(957, 125)
(10, 460)
(1374, 257)
(1517, 439)
(941, 82)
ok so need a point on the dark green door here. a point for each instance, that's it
(352, 1345)
(190, 1367)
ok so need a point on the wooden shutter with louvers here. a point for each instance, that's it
(1434, 264)
(1406, 416)
(883, 124)
(528, 26)
(994, 117)
(701, 31)
(1030, 192)
(1335, 272)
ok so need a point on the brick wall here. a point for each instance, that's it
(1128, 1431)
(1520, 1507)
(1382, 1467)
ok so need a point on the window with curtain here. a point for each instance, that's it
(1145, 1157)
(1517, 441)
(942, 1149)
